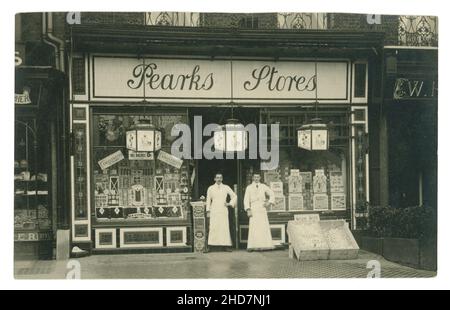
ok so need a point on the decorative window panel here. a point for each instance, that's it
(176, 236)
(80, 172)
(183, 19)
(361, 145)
(105, 238)
(79, 114)
(418, 31)
(81, 231)
(78, 76)
(359, 115)
(199, 227)
(141, 237)
(299, 21)
(243, 233)
(360, 80)
(278, 232)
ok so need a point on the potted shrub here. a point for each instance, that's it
(403, 235)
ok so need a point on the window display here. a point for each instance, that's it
(310, 180)
(135, 185)
(30, 180)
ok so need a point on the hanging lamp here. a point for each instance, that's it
(231, 137)
(143, 136)
(313, 135)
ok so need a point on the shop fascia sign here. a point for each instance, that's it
(132, 78)
(405, 88)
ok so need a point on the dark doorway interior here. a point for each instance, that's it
(206, 169)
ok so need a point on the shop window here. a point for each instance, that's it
(309, 181)
(32, 203)
(306, 180)
(136, 188)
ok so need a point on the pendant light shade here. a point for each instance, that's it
(313, 136)
(143, 137)
(232, 137)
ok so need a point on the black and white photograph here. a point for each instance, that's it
(186, 144)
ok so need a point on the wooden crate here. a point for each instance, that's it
(318, 240)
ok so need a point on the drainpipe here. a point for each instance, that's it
(55, 42)
(62, 232)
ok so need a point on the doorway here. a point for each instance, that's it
(229, 168)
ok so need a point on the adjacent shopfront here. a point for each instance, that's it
(40, 182)
(126, 199)
(411, 109)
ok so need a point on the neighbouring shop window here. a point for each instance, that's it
(144, 189)
(32, 210)
(309, 180)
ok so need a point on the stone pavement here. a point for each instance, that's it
(237, 264)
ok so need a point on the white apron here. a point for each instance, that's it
(219, 228)
(259, 235)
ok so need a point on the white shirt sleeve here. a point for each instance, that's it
(247, 198)
(208, 199)
(233, 196)
(271, 194)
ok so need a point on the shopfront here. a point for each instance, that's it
(411, 108)
(126, 198)
(39, 162)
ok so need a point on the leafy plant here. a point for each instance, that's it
(416, 222)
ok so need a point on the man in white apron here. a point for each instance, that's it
(217, 211)
(258, 197)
